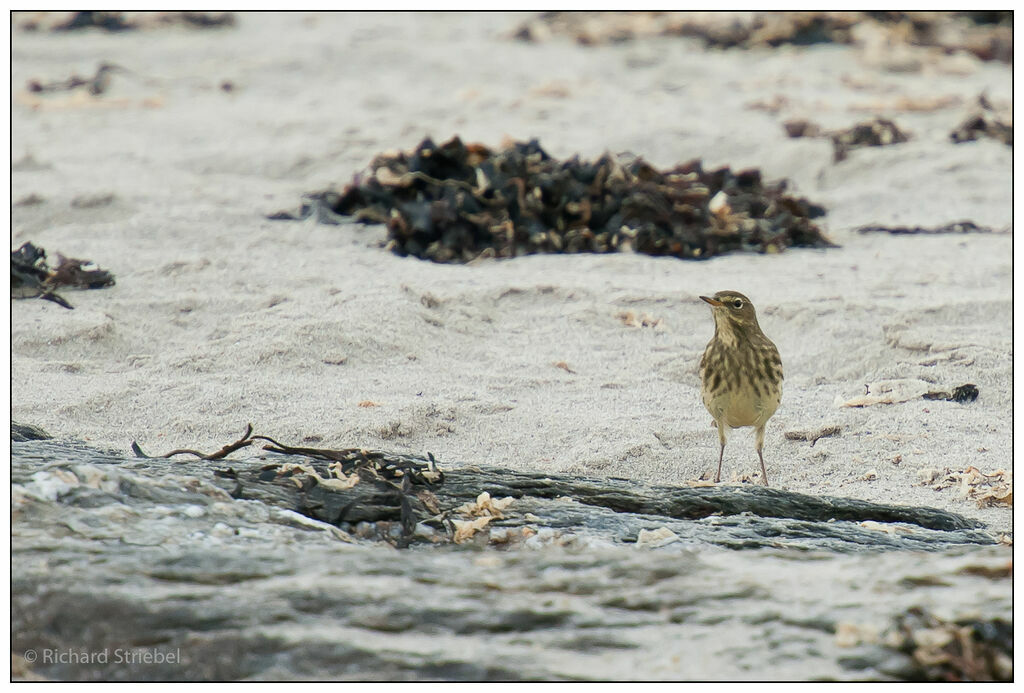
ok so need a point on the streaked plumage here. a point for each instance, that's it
(740, 372)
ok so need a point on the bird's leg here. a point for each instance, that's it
(760, 444)
(721, 450)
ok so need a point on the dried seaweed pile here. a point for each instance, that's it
(457, 202)
(121, 21)
(32, 277)
(988, 35)
(720, 30)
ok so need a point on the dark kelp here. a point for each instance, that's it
(954, 227)
(96, 85)
(877, 132)
(32, 277)
(457, 202)
(983, 125)
(988, 34)
(111, 21)
(961, 393)
(716, 30)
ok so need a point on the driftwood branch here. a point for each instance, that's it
(245, 441)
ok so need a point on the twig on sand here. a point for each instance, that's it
(246, 440)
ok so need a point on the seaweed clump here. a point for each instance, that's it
(111, 21)
(986, 121)
(715, 29)
(986, 34)
(32, 277)
(457, 202)
(877, 132)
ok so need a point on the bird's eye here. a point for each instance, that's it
(737, 303)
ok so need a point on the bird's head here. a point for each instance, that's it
(731, 309)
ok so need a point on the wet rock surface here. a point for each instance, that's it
(457, 202)
(130, 556)
(23, 432)
(346, 487)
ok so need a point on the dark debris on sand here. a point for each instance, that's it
(986, 121)
(987, 35)
(954, 227)
(121, 21)
(967, 392)
(458, 202)
(718, 30)
(95, 85)
(983, 125)
(32, 276)
(877, 132)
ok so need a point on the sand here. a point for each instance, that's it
(319, 336)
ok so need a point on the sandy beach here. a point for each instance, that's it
(319, 336)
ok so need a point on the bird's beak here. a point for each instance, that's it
(712, 301)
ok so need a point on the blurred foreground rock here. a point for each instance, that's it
(154, 563)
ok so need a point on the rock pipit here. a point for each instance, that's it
(740, 372)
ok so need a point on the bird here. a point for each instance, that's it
(740, 372)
